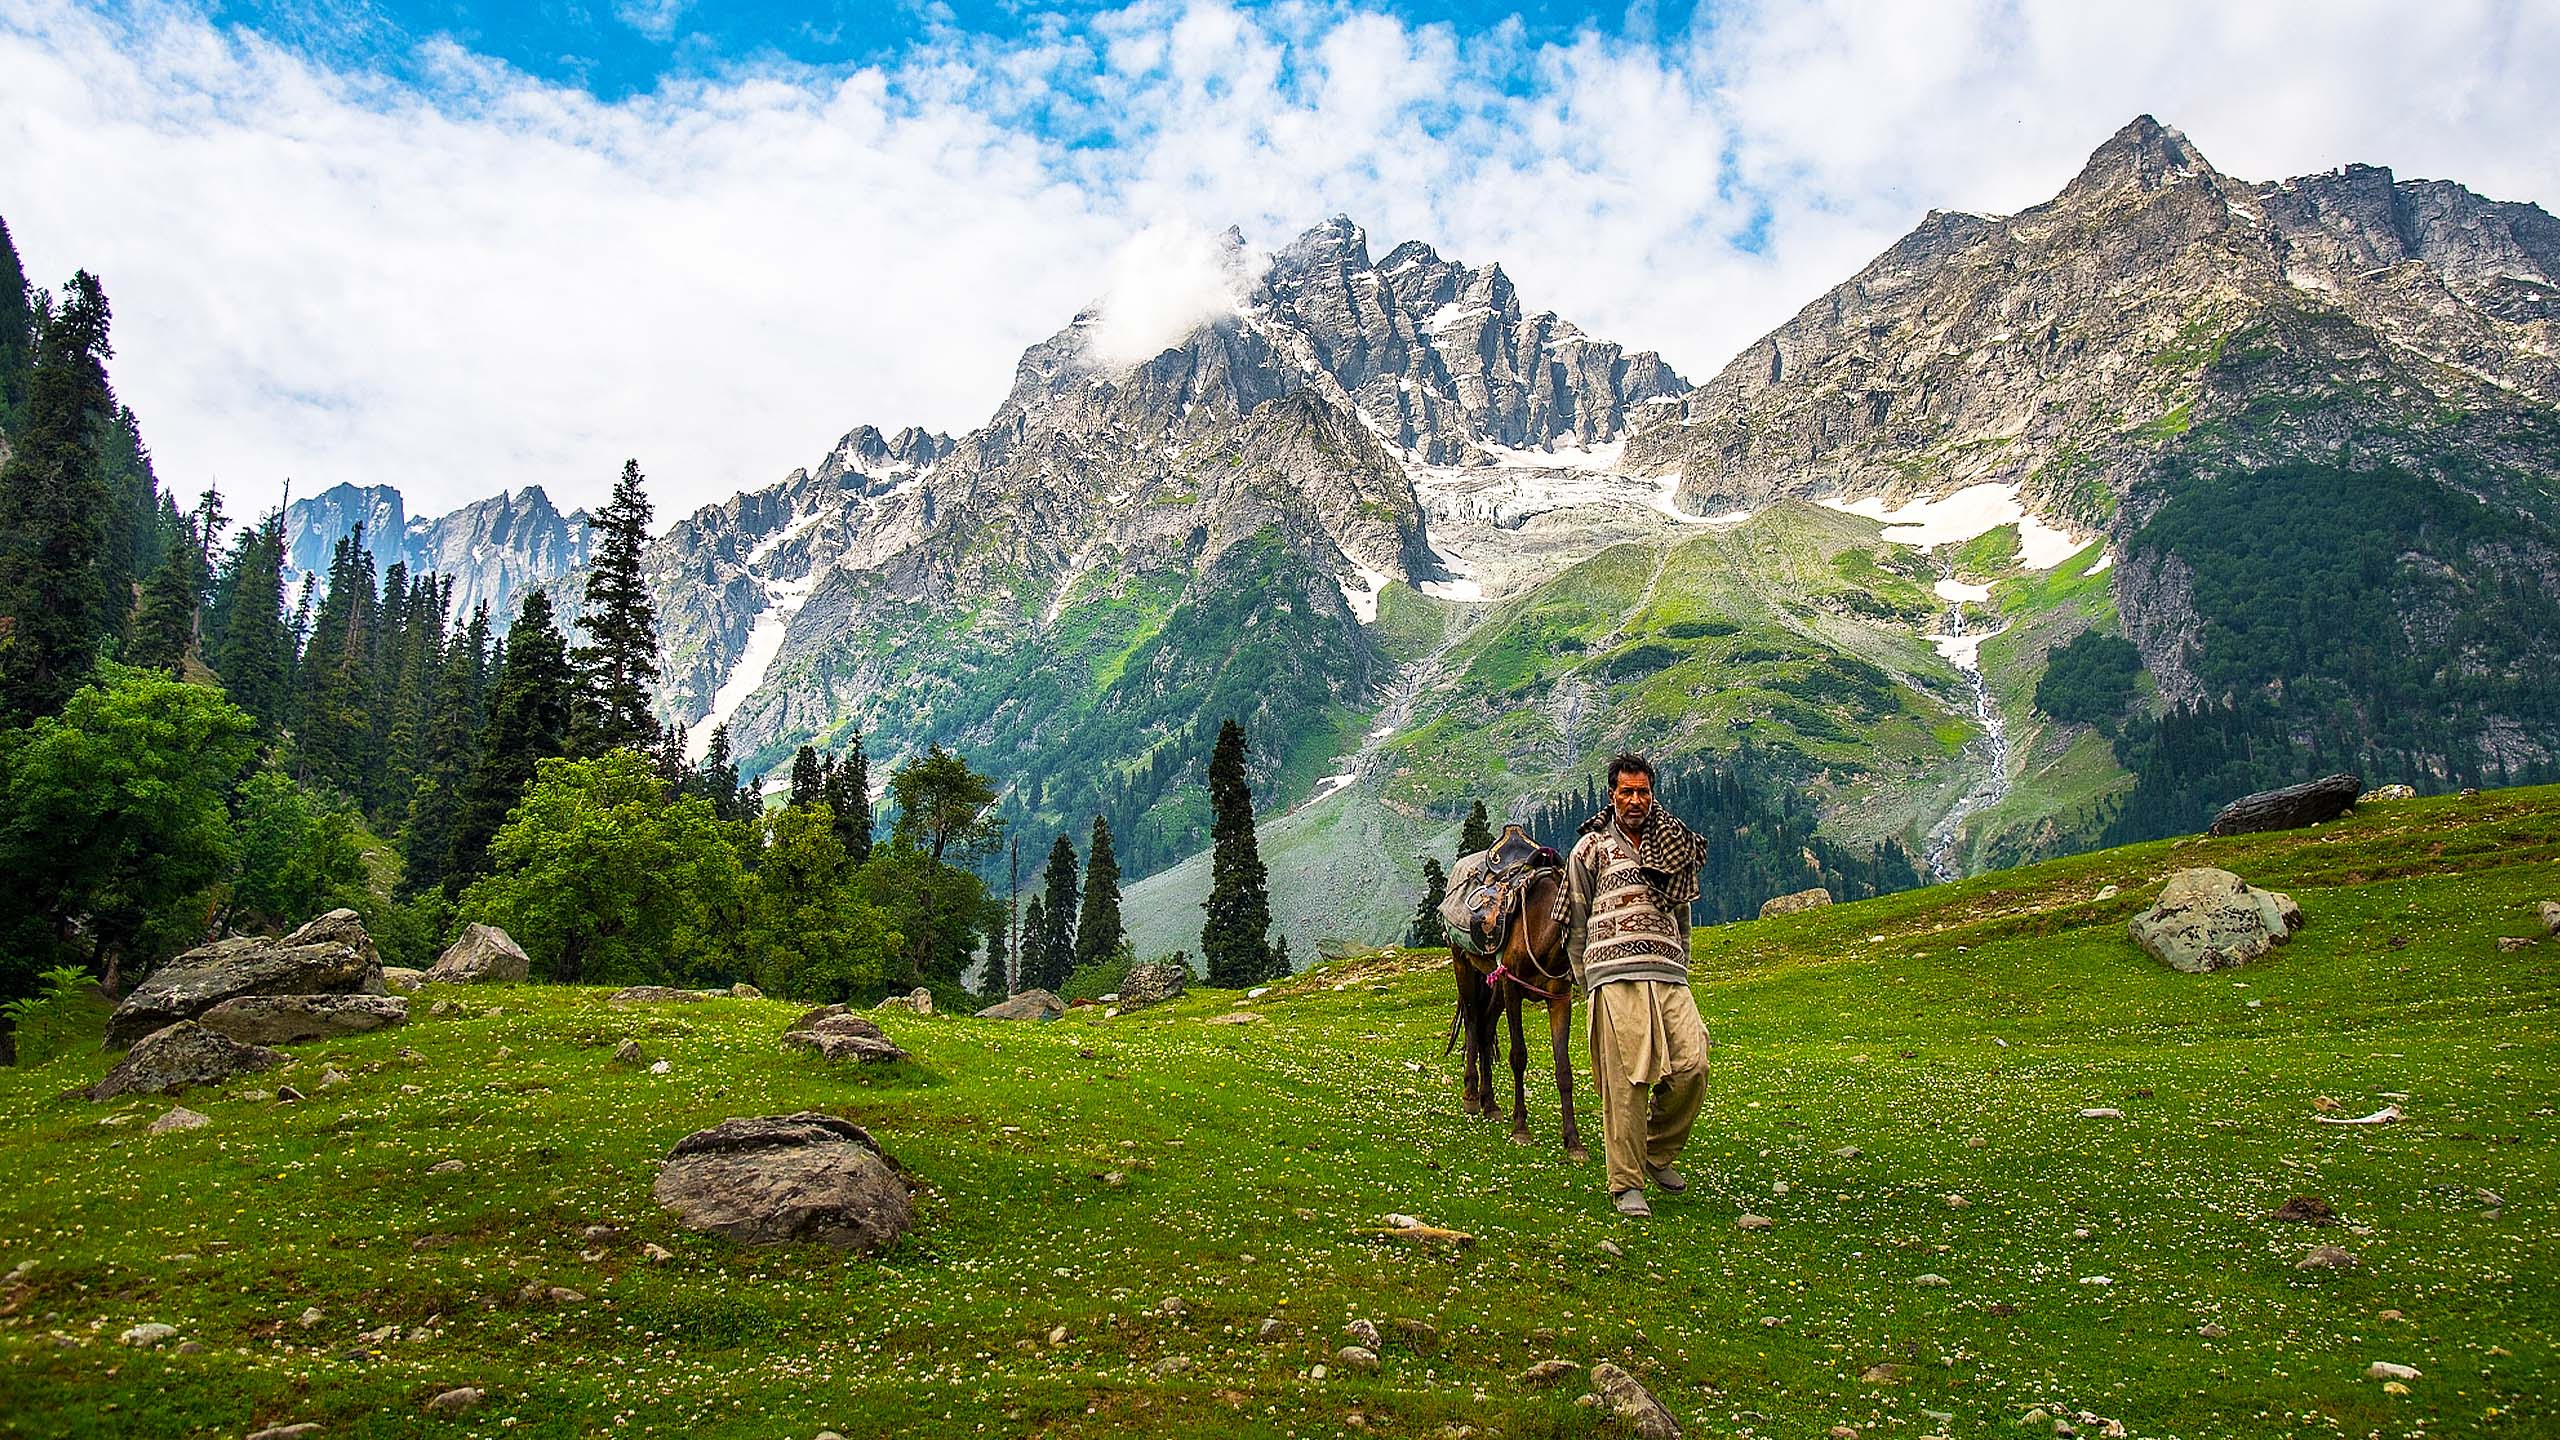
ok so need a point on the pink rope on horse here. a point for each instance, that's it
(1503, 972)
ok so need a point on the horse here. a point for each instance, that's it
(1531, 961)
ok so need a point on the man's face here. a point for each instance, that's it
(1633, 797)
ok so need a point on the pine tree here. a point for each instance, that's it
(246, 640)
(848, 790)
(164, 629)
(1098, 928)
(447, 751)
(720, 780)
(1477, 834)
(17, 335)
(529, 707)
(55, 604)
(620, 660)
(1058, 910)
(1234, 943)
(808, 779)
(1427, 926)
(996, 981)
(1029, 969)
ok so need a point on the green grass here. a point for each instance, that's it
(1251, 1160)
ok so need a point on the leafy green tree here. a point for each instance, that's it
(1426, 929)
(936, 907)
(603, 876)
(1234, 943)
(298, 857)
(1477, 833)
(55, 600)
(1098, 927)
(112, 822)
(1057, 951)
(944, 805)
(620, 660)
(811, 934)
(528, 723)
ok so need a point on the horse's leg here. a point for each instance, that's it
(1560, 1034)
(1488, 1045)
(1519, 1069)
(1466, 1023)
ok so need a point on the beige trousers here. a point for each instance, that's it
(1649, 1062)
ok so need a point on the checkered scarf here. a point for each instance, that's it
(1668, 853)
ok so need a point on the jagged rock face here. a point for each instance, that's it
(493, 550)
(2066, 347)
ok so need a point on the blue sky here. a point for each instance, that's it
(455, 247)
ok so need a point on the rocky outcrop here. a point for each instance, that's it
(770, 1180)
(1811, 899)
(1634, 1405)
(1034, 1004)
(178, 1057)
(918, 1001)
(484, 955)
(292, 1019)
(329, 956)
(1151, 982)
(2290, 808)
(2210, 919)
(835, 1033)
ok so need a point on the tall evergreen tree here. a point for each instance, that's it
(528, 722)
(848, 791)
(1058, 910)
(447, 749)
(620, 658)
(164, 629)
(808, 779)
(1098, 928)
(1235, 941)
(246, 640)
(55, 604)
(1477, 833)
(17, 335)
(1030, 970)
(729, 800)
(1426, 927)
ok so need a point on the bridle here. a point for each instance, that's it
(1503, 971)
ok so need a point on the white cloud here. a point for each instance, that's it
(495, 281)
(1167, 281)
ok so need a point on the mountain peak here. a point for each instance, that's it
(2144, 155)
(1336, 243)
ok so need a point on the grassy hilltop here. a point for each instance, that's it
(1079, 1173)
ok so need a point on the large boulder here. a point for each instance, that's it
(654, 995)
(1812, 899)
(919, 1000)
(177, 1056)
(1032, 1004)
(836, 1033)
(2290, 808)
(485, 955)
(330, 956)
(1152, 981)
(774, 1179)
(2212, 920)
(291, 1019)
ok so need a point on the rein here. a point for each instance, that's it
(1504, 972)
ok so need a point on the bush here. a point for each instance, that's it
(67, 1014)
(1097, 978)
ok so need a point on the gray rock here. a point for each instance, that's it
(179, 1118)
(2550, 911)
(300, 1431)
(2380, 793)
(446, 1167)
(2210, 920)
(1754, 1222)
(1151, 982)
(330, 956)
(2509, 944)
(919, 1000)
(1932, 1281)
(1812, 899)
(292, 1019)
(457, 1401)
(1234, 1017)
(1358, 1357)
(628, 1053)
(774, 1179)
(484, 955)
(844, 1037)
(401, 980)
(744, 991)
(1362, 1332)
(1632, 1403)
(143, 1337)
(2327, 1257)
(175, 1057)
(655, 995)
(1028, 1005)
(1547, 1374)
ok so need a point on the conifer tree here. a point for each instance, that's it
(17, 335)
(164, 629)
(620, 658)
(848, 790)
(1058, 911)
(1234, 942)
(1477, 834)
(808, 779)
(997, 981)
(1426, 927)
(719, 781)
(1030, 970)
(528, 721)
(447, 750)
(55, 604)
(1098, 927)
(247, 642)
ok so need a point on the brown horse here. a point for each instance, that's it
(1531, 962)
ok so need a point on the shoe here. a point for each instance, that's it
(1631, 1202)
(1669, 1179)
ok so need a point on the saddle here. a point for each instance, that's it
(1486, 890)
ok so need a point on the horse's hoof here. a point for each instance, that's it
(1576, 1154)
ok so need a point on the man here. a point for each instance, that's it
(1628, 888)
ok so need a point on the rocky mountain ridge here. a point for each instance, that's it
(493, 549)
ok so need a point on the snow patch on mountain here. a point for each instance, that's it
(1964, 514)
(783, 599)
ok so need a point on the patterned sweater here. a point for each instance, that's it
(1613, 929)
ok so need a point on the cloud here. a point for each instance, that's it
(1167, 281)
(481, 279)
(654, 19)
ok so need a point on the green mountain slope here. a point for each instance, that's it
(1078, 1174)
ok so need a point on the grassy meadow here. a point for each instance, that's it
(1897, 1086)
